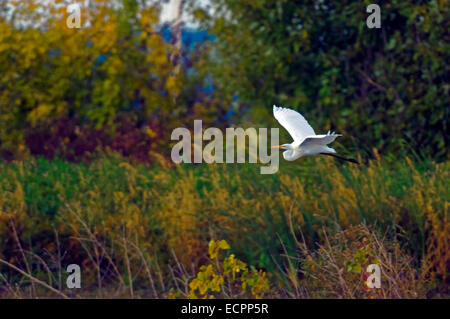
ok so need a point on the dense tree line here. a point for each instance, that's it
(386, 88)
(118, 76)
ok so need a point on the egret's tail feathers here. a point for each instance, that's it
(333, 133)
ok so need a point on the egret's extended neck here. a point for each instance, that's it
(288, 147)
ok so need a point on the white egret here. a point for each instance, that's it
(306, 142)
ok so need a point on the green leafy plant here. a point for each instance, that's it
(229, 277)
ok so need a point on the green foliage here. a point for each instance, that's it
(361, 258)
(385, 88)
(166, 212)
(139, 228)
(379, 87)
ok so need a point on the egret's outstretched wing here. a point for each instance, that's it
(294, 123)
(323, 139)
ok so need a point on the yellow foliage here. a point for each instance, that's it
(211, 278)
(215, 247)
(93, 71)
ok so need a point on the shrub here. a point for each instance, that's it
(230, 278)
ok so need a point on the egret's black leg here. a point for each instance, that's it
(342, 158)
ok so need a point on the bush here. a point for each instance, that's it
(230, 278)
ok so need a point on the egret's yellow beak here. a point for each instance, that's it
(277, 146)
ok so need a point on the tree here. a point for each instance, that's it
(379, 87)
(115, 65)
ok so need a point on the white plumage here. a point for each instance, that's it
(294, 123)
(306, 142)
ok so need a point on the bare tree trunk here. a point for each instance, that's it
(176, 10)
(177, 27)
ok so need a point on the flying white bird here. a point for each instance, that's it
(306, 142)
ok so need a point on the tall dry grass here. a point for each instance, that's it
(144, 232)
